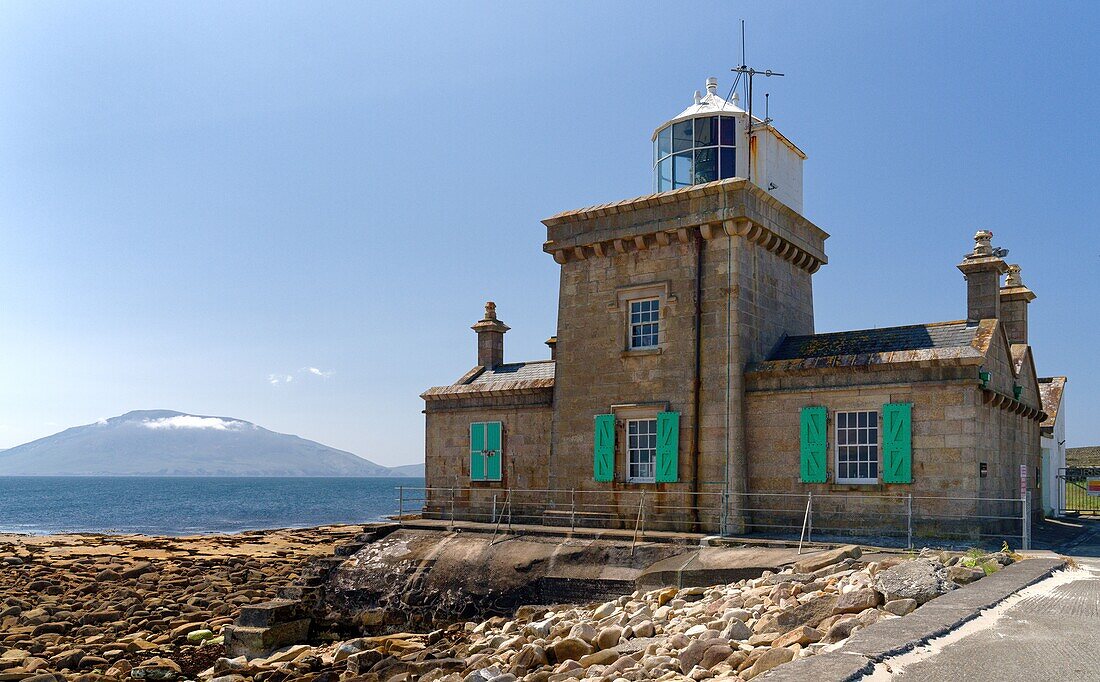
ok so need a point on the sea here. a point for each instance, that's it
(39, 505)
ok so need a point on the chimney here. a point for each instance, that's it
(553, 343)
(1014, 299)
(490, 338)
(982, 269)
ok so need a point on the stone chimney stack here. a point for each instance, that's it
(490, 338)
(1014, 299)
(983, 269)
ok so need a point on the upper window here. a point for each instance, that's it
(694, 151)
(641, 447)
(857, 447)
(645, 322)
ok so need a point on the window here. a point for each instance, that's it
(641, 448)
(694, 151)
(645, 318)
(857, 447)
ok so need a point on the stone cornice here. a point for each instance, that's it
(731, 207)
(1010, 404)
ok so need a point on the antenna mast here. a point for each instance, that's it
(749, 72)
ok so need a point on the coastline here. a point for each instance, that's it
(93, 604)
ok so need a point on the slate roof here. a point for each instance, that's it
(1050, 390)
(517, 371)
(939, 341)
(505, 379)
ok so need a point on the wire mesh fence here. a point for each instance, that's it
(885, 519)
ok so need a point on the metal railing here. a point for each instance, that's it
(1072, 491)
(897, 520)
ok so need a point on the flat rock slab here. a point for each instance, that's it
(715, 565)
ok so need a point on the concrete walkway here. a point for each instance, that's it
(1051, 633)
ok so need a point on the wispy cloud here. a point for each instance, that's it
(186, 421)
(278, 379)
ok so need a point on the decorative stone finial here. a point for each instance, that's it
(1013, 278)
(983, 243)
(490, 310)
(712, 85)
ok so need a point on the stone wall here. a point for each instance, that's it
(526, 424)
(646, 251)
(953, 430)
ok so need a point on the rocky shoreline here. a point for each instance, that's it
(93, 608)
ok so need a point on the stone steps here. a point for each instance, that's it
(263, 628)
(242, 640)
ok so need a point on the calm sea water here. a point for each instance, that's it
(186, 505)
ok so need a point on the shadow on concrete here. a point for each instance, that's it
(1071, 536)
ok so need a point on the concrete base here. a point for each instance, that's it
(253, 642)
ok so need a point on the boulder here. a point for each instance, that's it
(605, 657)
(570, 648)
(963, 575)
(857, 601)
(919, 579)
(810, 613)
(770, 659)
(609, 637)
(530, 657)
(801, 635)
(900, 607)
(156, 669)
(736, 629)
(819, 561)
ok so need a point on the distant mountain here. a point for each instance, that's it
(167, 443)
(409, 470)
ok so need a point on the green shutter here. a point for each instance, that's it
(493, 451)
(668, 450)
(897, 443)
(813, 445)
(603, 462)
(477, 448)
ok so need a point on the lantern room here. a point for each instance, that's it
(711, 140)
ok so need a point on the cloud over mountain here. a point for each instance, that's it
(167, 443)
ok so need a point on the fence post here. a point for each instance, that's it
(805, 520)
(573, 510)
(1026, 519)
(452, 508)
(508, 496)
(810, 517)
(724, 525)
(909, 521)
(637, 523)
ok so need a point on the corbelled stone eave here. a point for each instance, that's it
(733, 206)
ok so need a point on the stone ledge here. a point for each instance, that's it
(833, 666)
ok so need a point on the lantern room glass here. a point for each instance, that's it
(694, 151)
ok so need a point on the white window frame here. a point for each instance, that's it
(855, 430)
(630, 450)
(631, 324)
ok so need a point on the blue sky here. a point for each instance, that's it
(200, 200)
